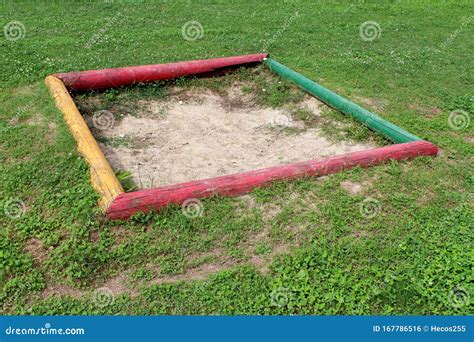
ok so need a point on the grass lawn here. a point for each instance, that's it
(302, 247)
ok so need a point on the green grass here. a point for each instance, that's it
(414, 257)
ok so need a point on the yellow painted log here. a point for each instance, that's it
(103, 178)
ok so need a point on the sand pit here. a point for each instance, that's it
(202, 134)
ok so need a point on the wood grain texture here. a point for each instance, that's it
(119, 77)
(127, 204)
(103, 178)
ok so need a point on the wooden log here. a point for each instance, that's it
(103, 178)
(119, 77)
(373, 121)
(127, 204)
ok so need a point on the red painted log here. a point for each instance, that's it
(125, 205)
(118, 77)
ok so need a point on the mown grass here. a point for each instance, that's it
(413, 257)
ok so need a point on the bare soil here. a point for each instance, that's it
(201, 134)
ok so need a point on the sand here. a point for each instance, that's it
(205, 135)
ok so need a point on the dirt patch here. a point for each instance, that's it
(196, 269)
(199, 273)
(60, 291)
(35, 248)
(247, 202)
(263, 262)
(118, 285)
(378, 105)
(224, 262)
(202, 134)
(51, 135)
(94, 236)
(120, 234)
(359, 234)
(429, 111)
(351, 187)
(269, 211)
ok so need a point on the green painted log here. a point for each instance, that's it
(371, 120)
